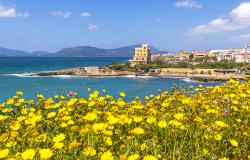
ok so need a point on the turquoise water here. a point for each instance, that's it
(13, 77)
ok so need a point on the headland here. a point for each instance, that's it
(204, 75)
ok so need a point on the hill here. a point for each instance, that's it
(88, 51)
(5, 52)
(78, 51)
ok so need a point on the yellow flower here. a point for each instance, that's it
(94, 95)
(121, 103)
(138, 106)
(221, 124)
(107, 156)
(45, 153)
(175, 123)
(182, 127)
(137, 119)
(123, 157)
(238, 120)
(4, 153)
(224, 158)
(212, 111)
(234, 143)
(84, 131)
(51, 115)
(63, 125)
(99, 126)
(58, 145)
(16, 126)
(11, 144)
(41, 138)
(90, 116)
(162, 124)
(108, 141)
(134, 157)
(28, 154)
(74, 145)
(218, 137)
(91, 104)
(198, 119)
(143, 146)
(10, 101)
(149, 157)
(112, 120)
(89, 151)
(138, 130)
(122, 94)
(19, 93)
(72, 101)
(59, 138)
(2, 118)
(179, 116)
(151, 120)
(70, 122)
(7, 110)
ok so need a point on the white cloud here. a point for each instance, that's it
(92, 26)
(61, 14)
(85, 14)
(215, 26)
(239, 18)
(11, 12)
(188, 4)
(241, 14)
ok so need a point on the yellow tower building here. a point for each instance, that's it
(142, 55)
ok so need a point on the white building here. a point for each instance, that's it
(247, 49)
(223, 54)
(236, 54)
(239, 58)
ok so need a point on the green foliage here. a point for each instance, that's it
(121, 67)
(222, 65)
(157, 64)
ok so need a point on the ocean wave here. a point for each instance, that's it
(187, 80)
(65, 76)
(22, 75)
(30, 75)
(141, 77)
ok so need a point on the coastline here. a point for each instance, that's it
(94, 71)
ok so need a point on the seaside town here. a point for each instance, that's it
(237, 55)
(212, 65)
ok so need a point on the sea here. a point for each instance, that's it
(15, 76)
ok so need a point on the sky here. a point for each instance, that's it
(170, 25)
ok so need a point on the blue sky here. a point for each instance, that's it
(171, 25)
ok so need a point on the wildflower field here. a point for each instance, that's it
(191, 123)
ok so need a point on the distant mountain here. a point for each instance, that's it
(82, 51)
(88, 51)
(4, 52)
(79, 51)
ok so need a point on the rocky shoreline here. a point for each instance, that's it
(106, 72)
(86, 72)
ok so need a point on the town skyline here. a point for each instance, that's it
(168, 25)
